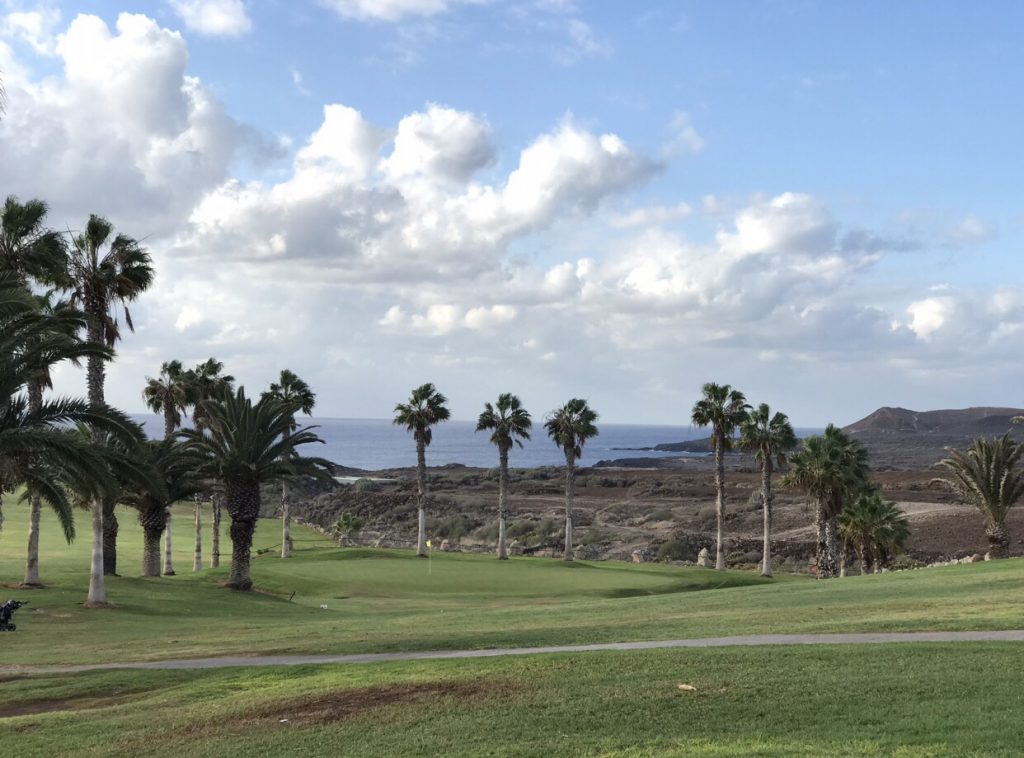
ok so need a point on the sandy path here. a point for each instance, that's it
(869, 638)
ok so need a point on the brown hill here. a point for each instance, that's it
(959, 422)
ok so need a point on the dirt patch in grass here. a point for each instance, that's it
(53, 706)
(323, 708)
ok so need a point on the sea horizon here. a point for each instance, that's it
(377, 444)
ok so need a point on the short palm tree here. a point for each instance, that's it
(509, 424)
(723, 409)
(832, 470)
(988, 475)
(106, 272)
(768, 436)
(175, 465)
(58, 343)
(570, 427)
(298, 396)
(243, 447)
(876, 529)
(208, 381)
(425, 409)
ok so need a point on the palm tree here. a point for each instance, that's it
(170, 394)
(723, 409)
(426, 407)
(876, 529)
(175, 465)
(28, 249)
(509, 423)
(832, 469)
(298, 396)
(768, 437)
(45, 350)
(570, 427)
(105, 273)
(37, 449)
(988, 476)
(244, 447)
(208, 381)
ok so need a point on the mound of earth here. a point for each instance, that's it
(965, 421)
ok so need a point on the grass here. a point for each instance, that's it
(908, 700)
(905, 700)
(380, 601)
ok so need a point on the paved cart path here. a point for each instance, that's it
(868, 638)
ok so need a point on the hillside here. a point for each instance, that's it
(898, 438)
(964, 421)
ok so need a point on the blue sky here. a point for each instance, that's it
(817, 202)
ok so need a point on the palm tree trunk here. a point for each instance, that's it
(168, 560)
(94, 375)
(502, 500)
(168, 420)
(97, 588)
(828, 568)
(570, 497)
(865, 559)
(110, 529)
(821, 546)
(150, 552)
(766, 497)
(286, 523)
(421, 496)
(998, 540)
(842, 560)
(215, 541)
(197, 563)
(243, 501)
(35, 402)
(719, 498)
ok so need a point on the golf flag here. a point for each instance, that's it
(428, 544)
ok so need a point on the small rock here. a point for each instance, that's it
(638, 557)
(323, 606)
(687, 687)
(703, 559)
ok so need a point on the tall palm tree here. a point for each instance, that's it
(570, 427)
(28, 249)
(107, 272)
(768, 436)
(509, 424)
(208, 381)
(426, 407)
(876, 529)
(723, 409)
(298, 396)
(832, 469)
(171, 393)
(988, 475)
(244, 447)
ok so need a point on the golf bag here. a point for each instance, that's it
(7, 613)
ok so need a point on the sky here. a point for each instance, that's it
(817, 203)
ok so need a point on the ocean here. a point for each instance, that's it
(374, 444)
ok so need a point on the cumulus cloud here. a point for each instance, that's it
(214, 18)
(125, 130)
(36, 28)
(416, 212)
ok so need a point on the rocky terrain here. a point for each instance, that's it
(667, 512)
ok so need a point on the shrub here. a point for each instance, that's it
(903, 562)
(596, 536)
(661, 514)
(365, 485)
(684, 547)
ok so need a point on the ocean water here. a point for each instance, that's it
(374, 444)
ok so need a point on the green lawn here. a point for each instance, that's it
(907, 700)
(381, 601)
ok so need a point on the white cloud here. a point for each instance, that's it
(36, 28)
(214, 18)
(154, 141)
(931, 314)
(656, 214)
(441, 143)
(392, 10)
(683, 136)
